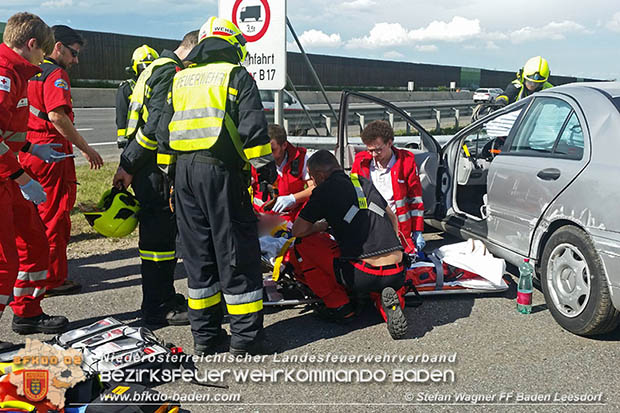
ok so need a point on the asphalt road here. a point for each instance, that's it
(499, 353)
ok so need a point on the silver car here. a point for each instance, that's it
(538, 179)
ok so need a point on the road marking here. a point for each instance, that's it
(84, 129)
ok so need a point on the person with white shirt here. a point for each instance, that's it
(395, 175)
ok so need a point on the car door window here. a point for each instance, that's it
(541, 127)
(570, 144)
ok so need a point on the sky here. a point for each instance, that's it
(578, 38)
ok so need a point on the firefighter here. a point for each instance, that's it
(395, 175)
(139, 168)
(365, 229)
(140, 59)
(294, 184)
(530, 79)
(24, 250)
(215, 122)
(51, 121)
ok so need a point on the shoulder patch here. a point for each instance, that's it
(5, 83)
(61, 84)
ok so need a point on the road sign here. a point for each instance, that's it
(263, 23)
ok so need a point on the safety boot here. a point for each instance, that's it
(342, 315)
(40, 324)
(218, 345)
(174, 314)
(396, 320)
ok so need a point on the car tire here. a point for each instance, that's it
(574, 284)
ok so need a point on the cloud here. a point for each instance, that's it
(491, 45)
(426, 48)
(316, 38)
(457, 30)
(357, 4)
(394, 34)
(550, 31)
(57, 3)
(614, 23)
(392, 54)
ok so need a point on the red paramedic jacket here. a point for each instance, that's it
(14, 74)
(290, 182)
(47, 91)
(406, 186)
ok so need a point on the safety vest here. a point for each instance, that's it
(199, 117)
(520, 96)
(362, 202)
(137, 109)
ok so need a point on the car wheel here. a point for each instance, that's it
(574, 284)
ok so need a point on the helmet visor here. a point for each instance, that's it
(535, 77)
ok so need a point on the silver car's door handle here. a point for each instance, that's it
(549, 174)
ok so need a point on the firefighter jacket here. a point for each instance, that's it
(14, 74)
(214, 106)
(516, 90)
(123, 96)
(145, 109)
(406, 186)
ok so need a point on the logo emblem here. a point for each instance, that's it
(36, 384)
(61, 84)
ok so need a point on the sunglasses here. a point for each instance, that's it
(376, 150)
(73, 52)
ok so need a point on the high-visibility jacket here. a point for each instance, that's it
(200, 118)
(14, 74)
(405, 185)
(123, 97)
(516, 90)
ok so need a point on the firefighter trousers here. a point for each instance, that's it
(24, 253)
(221, 253)
(156, 241)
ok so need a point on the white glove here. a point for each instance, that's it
(284, 202)
(46, 153)
(419, 241)
(33, 191)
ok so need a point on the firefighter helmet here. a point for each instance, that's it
(116, 214)
(225, 30)
(141, 58)
(536, 70)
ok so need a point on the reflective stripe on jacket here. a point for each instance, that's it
(406, 187)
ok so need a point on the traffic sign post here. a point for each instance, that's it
(263, 24)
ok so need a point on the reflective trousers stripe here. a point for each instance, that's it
(157, 255)
(145, 142)
(202, 303)
(35, 292)
(32, 276)
(242, 309)
(198, 293)
(244, 298)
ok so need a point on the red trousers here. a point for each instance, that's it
(313, 260)
(23, 253)
(59, 182)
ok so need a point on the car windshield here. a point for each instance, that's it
(482, 90)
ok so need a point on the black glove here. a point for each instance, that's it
(267, 173)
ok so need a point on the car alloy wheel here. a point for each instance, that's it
(568, 280)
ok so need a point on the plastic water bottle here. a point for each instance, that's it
(524, 290)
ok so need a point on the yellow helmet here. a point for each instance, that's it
(116, 214)
(142, 57)
(225, 30)
(536, 70)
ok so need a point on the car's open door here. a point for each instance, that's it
(358, 109)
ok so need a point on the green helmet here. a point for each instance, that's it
(226, 30)
(117, 214)
(536, 70)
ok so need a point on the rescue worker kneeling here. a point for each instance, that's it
(365, 229)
